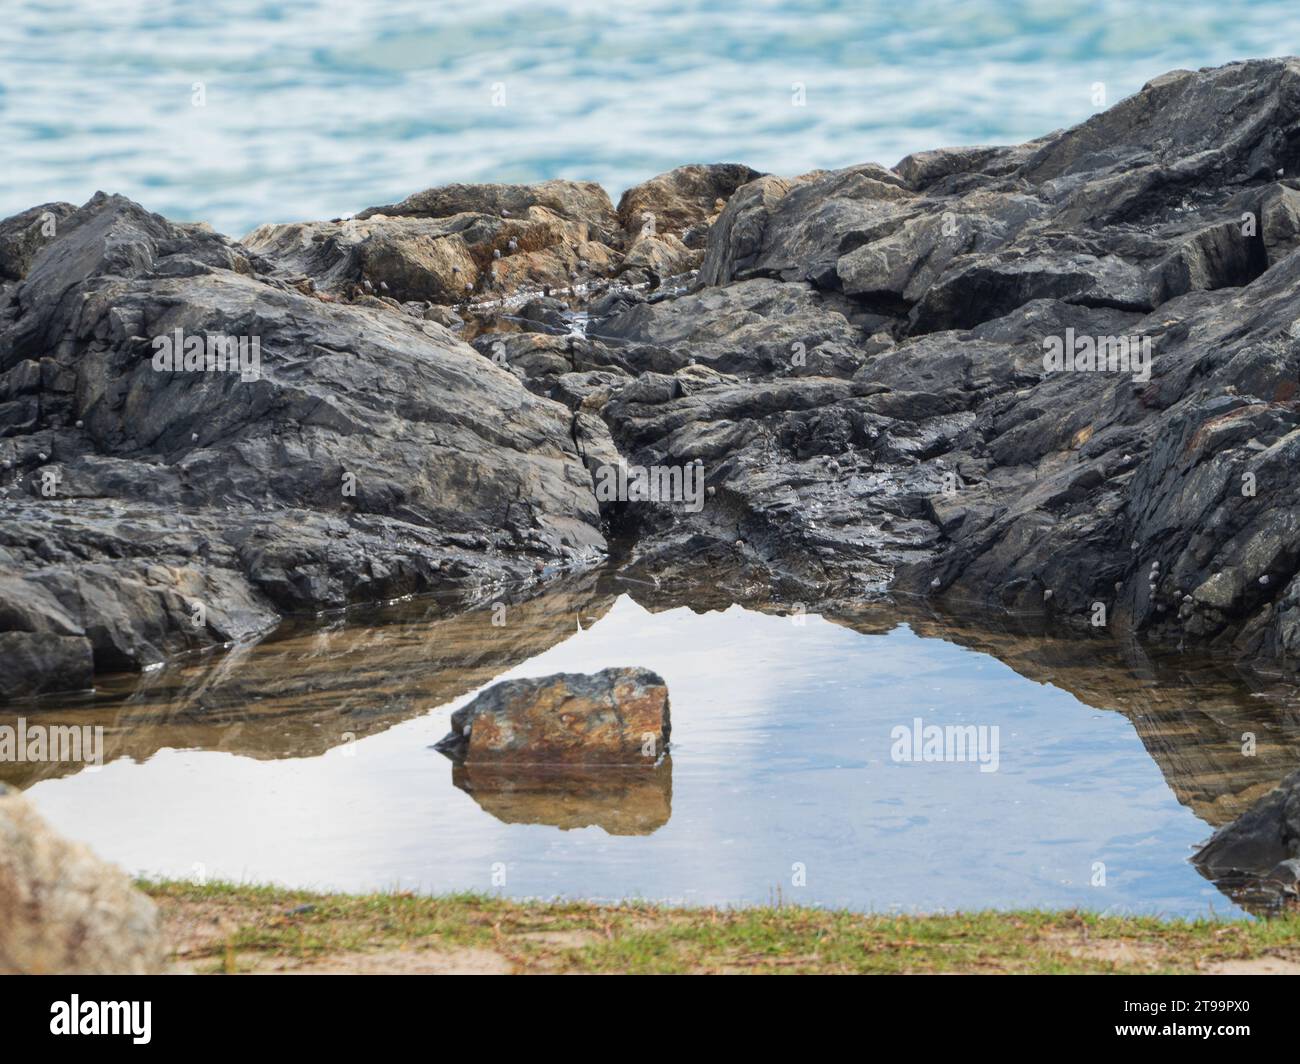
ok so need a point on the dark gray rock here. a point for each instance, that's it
(24, 234)
(371, 455)
(859, 367)
(1262, 844)
(965, 467)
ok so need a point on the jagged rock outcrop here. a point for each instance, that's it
(149, 510)
(962, 464)
(875, 367)
(453, 244)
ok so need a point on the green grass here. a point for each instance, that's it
(233, 928)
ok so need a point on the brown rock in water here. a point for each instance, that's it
(614, 717)
(63, 911)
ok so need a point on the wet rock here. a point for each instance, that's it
(925, 168)
(797, 231)
(1135, 206)
(736, 238)
(859, 367)
(757, 327)
(369, 455)
(63, 911)
(1263, 843)
(38, 662)
(614, 717)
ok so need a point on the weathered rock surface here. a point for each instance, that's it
(682, 199)
(958, 464)
(1261, 845)
(148, 512)
(23, 235)
(614, 717)
(63, 911)
(859, 364)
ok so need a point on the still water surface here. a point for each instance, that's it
(306, 761)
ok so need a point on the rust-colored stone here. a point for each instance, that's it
(614, 717)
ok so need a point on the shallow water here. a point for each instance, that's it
(306, 761)
(317, 108)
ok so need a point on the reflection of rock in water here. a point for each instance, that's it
(305, 691)
(316, 687)
(621, 800)
(1193, 713)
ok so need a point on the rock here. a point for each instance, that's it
(924, 168)
(371, 454)
(24, 234)
(614, 717)
(863, 366)
(438, 259)
(1263, 843)
(63, 911)
(674, 202)
(799, 232)
(662, 255)
(1286, 876)
(757, 327)
(38, 662)
(736, 239)
(582, 202)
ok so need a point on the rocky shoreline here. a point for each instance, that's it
(857, 360)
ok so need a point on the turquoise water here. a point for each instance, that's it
(316, 109)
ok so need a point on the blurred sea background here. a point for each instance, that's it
(319, 108)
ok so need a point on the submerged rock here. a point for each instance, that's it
(63, 911)
(1261, 845)
(614, 717)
